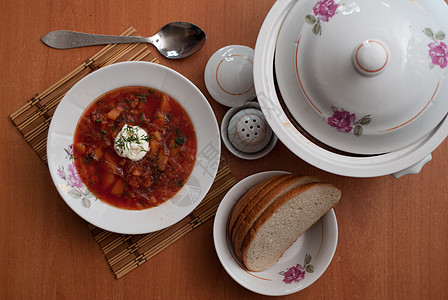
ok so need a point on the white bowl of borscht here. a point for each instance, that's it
(133, 147)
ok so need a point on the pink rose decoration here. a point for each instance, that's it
(294, 274)
(73, 177)
(342, 120)
(61, 173)
(438, 51)
(325, 9)
(70, 149)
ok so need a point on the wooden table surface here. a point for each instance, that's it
(392, 233)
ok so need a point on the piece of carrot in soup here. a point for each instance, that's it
(164, 104)
(118, 187)
(113, 114)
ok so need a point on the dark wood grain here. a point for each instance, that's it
(392, 233)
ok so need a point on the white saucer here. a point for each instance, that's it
(229, 75)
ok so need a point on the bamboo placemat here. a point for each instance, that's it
(33, 119)
(123, 252)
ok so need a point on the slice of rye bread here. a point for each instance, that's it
(259, 205)
(252, 201)
(247, 197)
(284, 221)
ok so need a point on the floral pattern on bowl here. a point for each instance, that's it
(295, 274)
(438, 50)
(323, 11)
(346, 122)
(75, 188)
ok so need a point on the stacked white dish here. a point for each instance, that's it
(357, 89)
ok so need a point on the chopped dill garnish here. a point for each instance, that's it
(179, 141)
(147, 138)
(87, 158)
(142, 98)
(143, 118)
(124, 141)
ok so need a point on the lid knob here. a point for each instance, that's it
(371, 58)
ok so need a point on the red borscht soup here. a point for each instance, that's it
(167, 163)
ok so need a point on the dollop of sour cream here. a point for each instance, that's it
(132, 142)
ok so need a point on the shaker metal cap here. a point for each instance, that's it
(246, 133)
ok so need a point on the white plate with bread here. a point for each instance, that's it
(276, 233)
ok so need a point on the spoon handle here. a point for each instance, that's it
(64, 39)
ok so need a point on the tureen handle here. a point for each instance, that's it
(414, 169)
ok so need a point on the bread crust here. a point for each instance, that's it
(259, 204)
(268, 213)
(252, 201)
(247, 197)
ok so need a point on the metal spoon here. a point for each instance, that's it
(175, 40)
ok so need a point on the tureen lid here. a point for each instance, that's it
(364, 76)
